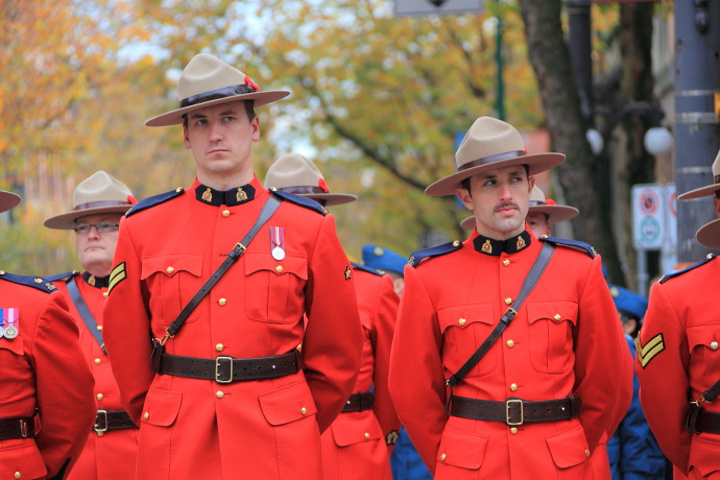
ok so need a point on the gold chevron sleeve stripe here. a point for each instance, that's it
(116, 276)
(648, 351)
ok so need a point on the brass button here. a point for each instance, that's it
(279, 269)
(506, 262)
(226, 213)
(170, 270)
(513, 386)
(146, 415)
(367, 436)
(587, 452)
(462, 321)
(97, 361)
(456, 243)
(222, 301)
(443, 457)
(513, 430)
(99, 327)
(17, 475)
(219, 394)
(100, 434)
(508, 301)
(714, 345)
(557, 317)
(510, 343)
(219, 347)
(303, 410)
(99, 396)
(105, 294)
(38, 280)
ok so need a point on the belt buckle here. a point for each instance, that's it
(218, 374)
(101, 421)
(511, 401)
(23, 428)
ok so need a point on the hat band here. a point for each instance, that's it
(107, 203)
(303, 190)
(536, 203)
(492, 159)
(224, 92)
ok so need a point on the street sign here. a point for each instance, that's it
(404, 8)
(654, 216)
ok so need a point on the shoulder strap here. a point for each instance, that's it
(85, 314)
(530, 281)
(268, 210)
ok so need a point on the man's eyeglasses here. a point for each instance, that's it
(102, 227)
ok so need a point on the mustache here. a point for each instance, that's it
(506, 205)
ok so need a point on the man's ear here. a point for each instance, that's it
(186, 139)
(531, 183)
(464, 197)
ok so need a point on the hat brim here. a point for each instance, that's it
(66, 221)
(538, 162)
(555, 213)
(468, 223)
(331, 199)
(700, 192)
(709, 234)
(175, 117)
(8, 201)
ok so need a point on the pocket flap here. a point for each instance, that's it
(555, 311)
(355, 427)
(255, 262)
(22, 457)
(14, 345)
(462, 449)
(287, 404)
(704, 453)
(569, 447)
(702, 335)
(161, 407)
(462, 316)
(170, 265)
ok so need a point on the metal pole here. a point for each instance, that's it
(500, 95)
(697, 134)
(579, 36)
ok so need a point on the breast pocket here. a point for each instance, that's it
(275, 289)
(464, 328)
(16, 369)
(701, 340)
(172, 281)
(551, 331)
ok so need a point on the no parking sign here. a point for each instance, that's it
(654, 216)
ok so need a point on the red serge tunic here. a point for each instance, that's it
(356, 444)
(678, 359)
(42, 370)
(112, 454)
(565, 340)
(195, 428)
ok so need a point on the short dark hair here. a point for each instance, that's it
(249, 111)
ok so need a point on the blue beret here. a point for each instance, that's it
(383, 259)
(628, 302)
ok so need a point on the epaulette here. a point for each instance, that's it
(62, 276)
(365, 268)
(668, 276)
(435, 251)
(40, 283)
(299, 200)
(154, 200)
(566, 242)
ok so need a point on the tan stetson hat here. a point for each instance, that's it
(208, 81)
(709, 190)
(99, 193)
(296, 174)
(538, 204)
(491, 143)
(8, 201)
(709, 234)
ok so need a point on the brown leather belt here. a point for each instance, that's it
(700, 420)
(515, 411)
(17, 427)
(359, 401)
(229, 369)
(112, 420)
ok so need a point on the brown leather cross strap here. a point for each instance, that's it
(515, 411)
(359, 401)
(17, 427)
(112, 420)
(700, 420)
(229, 369)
